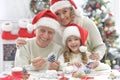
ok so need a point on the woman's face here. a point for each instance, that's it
(73, 43)
(44, 35)
(64, 16)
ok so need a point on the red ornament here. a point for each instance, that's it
(110, 14)
(97, 5)
(64, 78)
(89, 9)
(109, 23)
(108, 33)
(33, 5)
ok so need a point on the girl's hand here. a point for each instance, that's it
(77, 64)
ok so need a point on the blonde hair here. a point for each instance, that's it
(84, 57)
(72, 12)
(67, 54)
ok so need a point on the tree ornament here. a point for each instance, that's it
(52, 57)
(109, 23)
(39, 5)
(97, 5)
(110, 14)
(108, 33)
(89, 9)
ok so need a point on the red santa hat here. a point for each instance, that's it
(59, 4)
(46, 18)
(76, 30)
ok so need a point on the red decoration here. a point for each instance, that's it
(108, 33)
(23, 32)
(89, 9)
(6, 35)
(97, 5)
(9, 77)
(109, 23)
(87, 78)
(110, 14)
(17, 74)
(18, 77)
(64, 78)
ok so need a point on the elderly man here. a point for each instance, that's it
(34, 54)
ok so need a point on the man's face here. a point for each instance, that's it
(44, 35)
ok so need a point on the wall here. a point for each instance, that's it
(17, 9)
(14, 9)
(116, 10)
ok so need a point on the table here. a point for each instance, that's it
(98, 75)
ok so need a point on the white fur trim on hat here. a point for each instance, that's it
(23, 23)
(83, 48)
(59, 5)
(77, 12)
(7, 26)
(30, 27)
(72, 30)
(48, 22)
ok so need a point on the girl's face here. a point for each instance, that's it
(73, 43)
(64, 16)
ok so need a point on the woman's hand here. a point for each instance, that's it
(94, 56)
(93, 64)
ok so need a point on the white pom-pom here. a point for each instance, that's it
(7, 26)
(23, 23)
(68, 69)
(83, 48)
(30, 27)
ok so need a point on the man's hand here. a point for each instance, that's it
(20, 42)
(39, 62)
(54, 65)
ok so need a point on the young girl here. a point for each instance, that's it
(75, 52)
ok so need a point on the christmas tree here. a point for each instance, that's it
(99, 11)
(39, 5)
